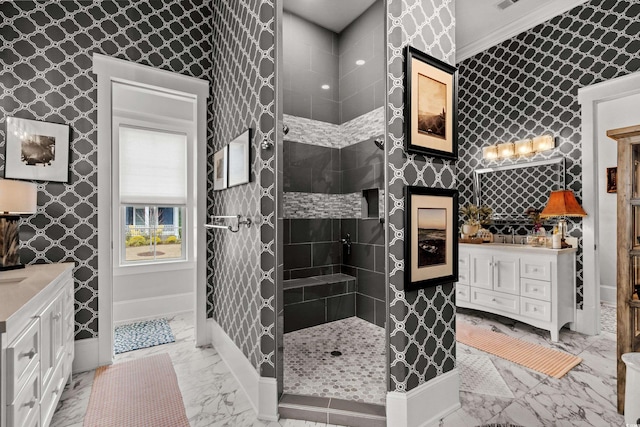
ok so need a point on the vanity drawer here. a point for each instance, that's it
(463, 263)
(26, 407)
(23, 355)
(462, 292)
(535, 309)
(536, 269)
(537, 289)
(463, 277)
(500, 301)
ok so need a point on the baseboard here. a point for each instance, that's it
(262, 392)
(427, 404)
(153, 307)
(85, 355)
(608, 295)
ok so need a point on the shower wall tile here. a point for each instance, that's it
(364, 127)
(371, 284)
(381, 313)
(365, 308)
(318, 205)
(310, 230)
(304, 315)
(341, 307)
(361, 256)
(326, 253)
(297, 256)
(370, 231)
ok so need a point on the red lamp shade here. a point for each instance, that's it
(562, 203)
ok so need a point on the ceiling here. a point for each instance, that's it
(334, 15)
(480, 24)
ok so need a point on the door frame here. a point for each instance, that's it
(588, 319)
(108, 70)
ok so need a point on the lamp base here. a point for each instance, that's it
(11, 267)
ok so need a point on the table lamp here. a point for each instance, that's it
(16, 198)
(561, 204)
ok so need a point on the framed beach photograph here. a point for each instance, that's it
(37, 151)
(239, 158)
(220, 169)
(612, 178)
(431, 239)
(430, 110)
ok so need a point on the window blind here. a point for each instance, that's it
(153, 166)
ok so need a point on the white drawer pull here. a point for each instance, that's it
(57, 316)
(534, 309)
(494, 300)
(30, 404)
(28, 354)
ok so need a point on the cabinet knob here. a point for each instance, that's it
(494, 300)
(534, 308)
(28, 354)
(57, 316)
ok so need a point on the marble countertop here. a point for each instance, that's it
(519, 248)
(18, 287)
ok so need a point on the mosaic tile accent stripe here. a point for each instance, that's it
(241, 282)
(421, 323)
(318, 205)
(46, 75)
(326, 134)
(528, 85)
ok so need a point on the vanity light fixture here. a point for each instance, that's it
(520, 148)
(490, 152)
(506, 150)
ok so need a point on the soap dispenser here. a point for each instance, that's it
(556, 239)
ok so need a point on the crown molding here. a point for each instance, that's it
(526, 22)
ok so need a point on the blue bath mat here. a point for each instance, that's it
(149, 333)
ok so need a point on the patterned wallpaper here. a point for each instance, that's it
(421, 324)
(241, 267)
(45, 74)
(528, 86)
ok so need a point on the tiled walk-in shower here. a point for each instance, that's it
(358, 373)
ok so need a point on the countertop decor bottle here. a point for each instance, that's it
(556, 239)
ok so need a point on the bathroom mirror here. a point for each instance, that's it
(511, 189)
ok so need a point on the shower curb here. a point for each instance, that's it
(332, 411)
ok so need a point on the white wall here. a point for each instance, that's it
(611, 115)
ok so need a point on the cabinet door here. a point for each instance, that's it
(506, 274)
(481, 271)
(51, 335)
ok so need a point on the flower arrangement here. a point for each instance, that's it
(476, 215)
(534, 216)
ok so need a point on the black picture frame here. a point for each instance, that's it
(432, 134)
(428, 261)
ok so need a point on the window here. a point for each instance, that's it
(153, 194)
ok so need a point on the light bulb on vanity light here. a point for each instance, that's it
(543, 143)
(524, 147)
(505, 150)
(490, 152)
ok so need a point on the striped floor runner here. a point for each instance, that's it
(542, 359)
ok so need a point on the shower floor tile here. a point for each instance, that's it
(358, 374)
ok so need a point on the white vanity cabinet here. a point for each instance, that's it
(530, 284)
(36, 326)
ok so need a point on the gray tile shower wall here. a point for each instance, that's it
(310, 57)
(241, 267)
(311, 247)
(528, 85)
(46, 75)
(428, 25)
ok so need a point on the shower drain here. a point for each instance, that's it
(336, 353)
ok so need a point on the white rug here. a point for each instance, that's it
(479, 375)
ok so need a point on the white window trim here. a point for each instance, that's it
(120, 267)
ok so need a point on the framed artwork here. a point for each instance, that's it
(430, 108)
(239, 159)
(431, 239)
(37, 151)
(612, 178)
(220, 169)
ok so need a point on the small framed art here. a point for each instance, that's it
(431, 239)
(239, 158)
(220, 169)
(430, 110)
(612, 178)
(37, 151)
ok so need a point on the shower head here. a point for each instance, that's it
(285, 129)
(379, 143)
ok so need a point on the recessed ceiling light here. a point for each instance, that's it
(360, 62)
(325, 87)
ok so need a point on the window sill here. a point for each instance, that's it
(152, 267)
